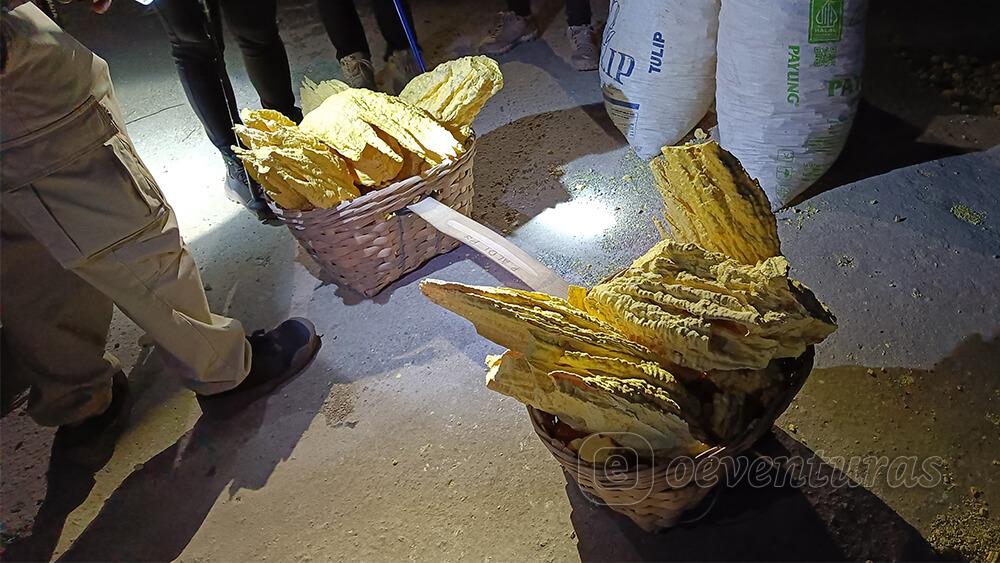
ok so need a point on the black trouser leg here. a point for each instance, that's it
(520, 7)
(343, 26)
(196, 45)
(390, 26)
(578, 12)
(254, 23)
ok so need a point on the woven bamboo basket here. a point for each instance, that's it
(655, 494)
(371, 241)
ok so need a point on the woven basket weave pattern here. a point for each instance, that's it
(371, 241)
(649, 494)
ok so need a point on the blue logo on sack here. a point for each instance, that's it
(614, 64)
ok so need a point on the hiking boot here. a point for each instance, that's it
(358, 71)
(509, 31)
(278, 355)
(91, 443)
(400, 69)
(241, 189)
(585, 54)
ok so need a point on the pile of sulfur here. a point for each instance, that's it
(680, 352)
(356, 140)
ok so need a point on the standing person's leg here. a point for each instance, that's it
(54, 333)
(343, 26)
(520, 7)
(585, 54)
(400, 63)
(390, 26)
(54, 337)
(76, 187)
(152, 277)
(512, 27)
(103, 217)
(107, 222)
(578, 12)
(197, 47)
(254, 23)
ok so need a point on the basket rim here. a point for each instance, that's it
(380, 194)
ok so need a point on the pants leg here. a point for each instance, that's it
(520, 7)
(390, 26)
(103, 217)
(578, 12)
(197, 48)
(343, 26)
(55, 327)
(254, 23)
(154, 280)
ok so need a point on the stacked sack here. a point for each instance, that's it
(658, 68)
(680, 352)
(785, 77)
(356, 140)
(789, 83)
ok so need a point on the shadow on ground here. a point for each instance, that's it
(161, 505)
(830, 516)
(770, 523)
(879, 142)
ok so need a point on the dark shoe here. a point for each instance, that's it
(585, 54)
(91, 443)
(358, 71)
(278, 355)
(295, 114)
(400, 70)
(241, 189)
(509, 31)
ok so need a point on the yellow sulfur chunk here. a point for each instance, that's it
(592, 404)
(537, 325)
(455, 91)
(254, 138)
(319, 176)
(265, 119)
(685, 347)
(288, 136)
(413, 128)
(704, 311)
(339, 123)
(669, 394)
(553, 337)
(413, 165)
(375, 167)
(284, 158)
(313, 94)
(712, 202)
(271, 179)
(596, 448)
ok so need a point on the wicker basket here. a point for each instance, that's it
(371, 241)
(654, 495)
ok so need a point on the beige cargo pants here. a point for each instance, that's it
(84, 226)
